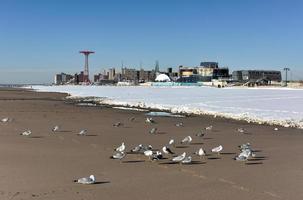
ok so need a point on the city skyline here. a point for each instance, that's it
(39, 39)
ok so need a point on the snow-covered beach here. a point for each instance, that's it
(277, 106)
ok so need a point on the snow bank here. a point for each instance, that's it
(273, 106)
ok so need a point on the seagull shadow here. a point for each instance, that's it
(133, 161)
(36, 137)
(169, 163)
(101, 182)
(256, 159)
(213, 158)
(228, 153)
(208, 138)
(254, 163)
(91, 135)
(161, 133)
(256, 150)
(64, 131)
(181, 147)
(195, 163)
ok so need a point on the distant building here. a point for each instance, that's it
(111, 74)
(63, 78)
(206, 72)
(256, 75)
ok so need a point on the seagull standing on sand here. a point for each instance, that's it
(5, 120)
(179, 158)
(26, 133)
(241, 130)
(55, 129)
(117, 124)
(200, 152)
(217, 149)
(186, 160)
(149, 120)
(167, 150)
(153, 131)
(179, 124)
(209, 128)
(200, 134)
(121, 148)
(186, 140)
(82, 132)
(86, 180)
(118, 155)
(171, 142)
(148, 153)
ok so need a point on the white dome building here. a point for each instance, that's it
(162, 78)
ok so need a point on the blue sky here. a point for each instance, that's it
(39, 38)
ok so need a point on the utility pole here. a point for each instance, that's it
(286, 69)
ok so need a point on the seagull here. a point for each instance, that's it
(132, 119)
(149, 120)
(118, 155)
(179, 158)
(55, 129)
(153, 131)
(167, 150)
(157, 155)
(179, 124)
(148, 153)
(276, 129)
(6, 119)
(209, 128)
(82, 132)
(186, 140)
(200, 152)
(241, 130)
(171, 142)
(121, 148)
(186, 160)
(200, 134)
(26, 133)
(86, 180)
(217, 149)
(137, 148)
(117, 124)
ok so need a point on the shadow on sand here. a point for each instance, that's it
(133, 161)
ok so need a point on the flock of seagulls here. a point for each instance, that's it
(152, 154)
(168, 150)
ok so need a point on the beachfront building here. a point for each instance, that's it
(257, 76)
(206, 72)
(63, 78)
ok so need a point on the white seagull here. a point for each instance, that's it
(200, 152)
(26, 133)
(241, 130)
(55, 129)
(118, 155)
(186, 140)
(209, 128)
(153, 131)
(217, 149)
(149, 120)
(121, 148)
(179, 124)
(171, 142)
(186, 160)
(167, 150)
(179, 158)
(82, 132)
(86, 180)
(6, 119)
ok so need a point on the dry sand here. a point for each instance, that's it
(44, 165)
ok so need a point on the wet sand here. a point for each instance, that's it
(44, 165)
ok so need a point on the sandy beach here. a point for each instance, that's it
(44, 165)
